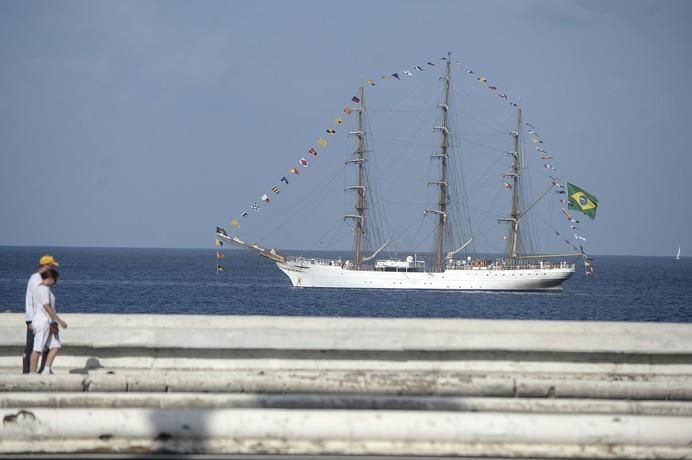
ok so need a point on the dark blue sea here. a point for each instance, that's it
(185, 281)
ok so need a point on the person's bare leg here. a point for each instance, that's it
(33, 362)
(52, 353)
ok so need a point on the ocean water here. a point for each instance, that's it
(184, 281)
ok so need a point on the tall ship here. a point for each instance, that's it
(448, 267)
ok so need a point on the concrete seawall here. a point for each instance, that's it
(585, 389)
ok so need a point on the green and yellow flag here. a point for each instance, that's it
(581, 200)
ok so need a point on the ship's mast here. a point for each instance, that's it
(515, 215)
(360, 187)
(442, 182)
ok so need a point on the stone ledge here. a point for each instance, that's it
(346, 432)
(376, 334)
(364, 382)
(355, 401)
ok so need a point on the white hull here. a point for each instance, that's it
(334, 276)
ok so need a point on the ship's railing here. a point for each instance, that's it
(474, 264)
(338, 262)
(302, 260)
(506, 264)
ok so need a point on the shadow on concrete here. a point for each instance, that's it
(91, 364)
(183, 432)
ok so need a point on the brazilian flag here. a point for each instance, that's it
(581, 200)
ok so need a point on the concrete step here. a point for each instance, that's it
(354, 401)
(200, 332)
(367, 382)
(361, 432)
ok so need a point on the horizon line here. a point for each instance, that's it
(215, 248)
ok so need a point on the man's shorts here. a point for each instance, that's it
(41, 333)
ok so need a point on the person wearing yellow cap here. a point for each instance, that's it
(44, 263)
(46, 340)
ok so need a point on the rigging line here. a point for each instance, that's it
(414, 90)
(551, 227)
(529, 227)
(405, 144)
(484, 233)
(319, 197)
(418, 122)
(476, 93)
(494, 133)
(338, 238)
(485, 242)
(407, 203)
(484, 183)
(331, 230)
(415, 221)
(410, 154)
(458, 153)
(490, 184)
(460, 222)
(483, 146)
(379, 218)
(425, 239)
(376, 225)
(404, 246)
(399, 111)
(404, 158)
(495, 198)
(486, 174)
(488, 120)
(482, 123)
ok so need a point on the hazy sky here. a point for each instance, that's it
(148, 123)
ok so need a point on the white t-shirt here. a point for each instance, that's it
(34, 281)
(42, 296)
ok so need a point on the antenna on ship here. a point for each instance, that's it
(360, 186)
(441, 210)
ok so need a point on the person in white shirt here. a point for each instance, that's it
(44, 314)
(44, 263)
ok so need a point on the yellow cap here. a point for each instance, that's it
(48, 260)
